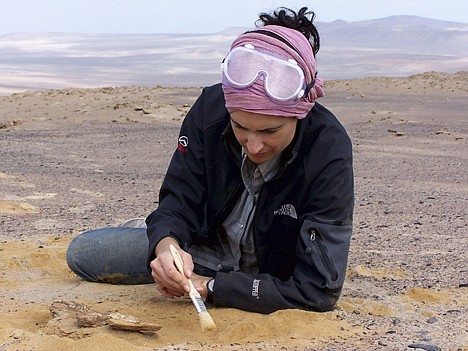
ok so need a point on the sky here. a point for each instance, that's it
(198, 16)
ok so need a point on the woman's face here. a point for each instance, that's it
(262, 136)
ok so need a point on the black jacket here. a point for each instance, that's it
(303, 221)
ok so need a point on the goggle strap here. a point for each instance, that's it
(310, 86)
(274, 35)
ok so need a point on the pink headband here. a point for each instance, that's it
(254, 99)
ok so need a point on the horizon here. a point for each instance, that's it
(178, 16)
(233, 27)
(412, 45)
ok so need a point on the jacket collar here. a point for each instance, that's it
(289, 154)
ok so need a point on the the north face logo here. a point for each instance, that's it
(286, 210)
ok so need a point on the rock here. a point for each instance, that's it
(425, 347)
(130, 323)
(85, 317)
(91, 319)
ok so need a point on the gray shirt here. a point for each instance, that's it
(238, 247)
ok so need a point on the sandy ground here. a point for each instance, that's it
(78, 159)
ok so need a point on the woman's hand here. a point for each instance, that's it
(169, 282)
(200, 282)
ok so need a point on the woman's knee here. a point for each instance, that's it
(79, 256)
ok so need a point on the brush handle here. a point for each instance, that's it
(180, 267)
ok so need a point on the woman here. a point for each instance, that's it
(258, 197)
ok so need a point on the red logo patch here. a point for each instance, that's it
(182, 148)
(183, 143)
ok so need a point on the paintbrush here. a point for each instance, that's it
(206, 321)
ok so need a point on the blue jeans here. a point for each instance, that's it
(111, 255)
(115, 255)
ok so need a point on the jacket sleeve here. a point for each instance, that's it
(322, 246)
(182, 195)
(315, 285)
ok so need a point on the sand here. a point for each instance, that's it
(78, 159)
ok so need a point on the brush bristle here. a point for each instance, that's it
(207, 323)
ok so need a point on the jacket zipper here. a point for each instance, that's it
(254, 226)
(222, 214)
(316, 240)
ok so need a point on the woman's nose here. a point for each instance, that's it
(254, 145)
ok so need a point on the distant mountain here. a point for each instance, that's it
(392, 46)
(401, 33)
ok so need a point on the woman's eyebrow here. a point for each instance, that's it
(233, 121)
(268, 129)
(271, 129)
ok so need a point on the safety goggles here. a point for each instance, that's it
(283, 79)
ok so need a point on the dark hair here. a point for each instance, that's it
(301, 21)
